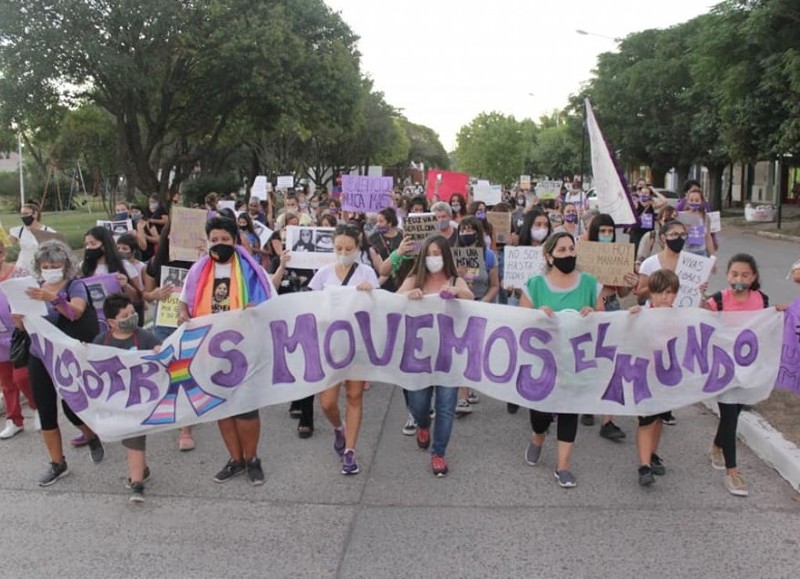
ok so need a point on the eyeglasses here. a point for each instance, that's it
(676, 236)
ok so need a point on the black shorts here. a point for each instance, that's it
(648, 420)
(135, 443)
(252, 415)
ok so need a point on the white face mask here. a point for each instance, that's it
(153, 206)
(434, 263)
(538, 234)
(346, 259)
(51, 276)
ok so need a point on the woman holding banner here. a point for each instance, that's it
(345, 272)
(434, 272)
(560, 288)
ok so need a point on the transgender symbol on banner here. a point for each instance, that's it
(180, 377)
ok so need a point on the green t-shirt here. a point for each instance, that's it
(575, 298)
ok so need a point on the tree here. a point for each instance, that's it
(493, 146)
(425, 146)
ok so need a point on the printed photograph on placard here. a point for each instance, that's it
(167, 308)
(311, 247)
(305, 241)
(324, 241)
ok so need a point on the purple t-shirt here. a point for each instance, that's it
(77, 289)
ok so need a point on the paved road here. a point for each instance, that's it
(493, 516)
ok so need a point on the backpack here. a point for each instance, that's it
(85, 328)
(717, 297)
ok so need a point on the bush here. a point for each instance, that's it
(194, 191)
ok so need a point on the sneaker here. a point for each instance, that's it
(185, 442)
(611, 431)
(10, 430)
(587, 419)
(566, 480)
(231, 469)
(96, 450)
(439, 466)
(295, 413)
(669, 419)
(79, 441)
(533, 454)
(338, 441)
(410, 427)
(137, 493)
(512, 408)
(646, 477)
(349, 464)
(145, 478)
(54, 472)
(473, 398)
(717, 458)
(424, 438)
(657, 465)
(37, 421)
(736, 485)
(463, 407)
(254, 472)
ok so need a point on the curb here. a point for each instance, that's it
(768, 444)
(780, 236)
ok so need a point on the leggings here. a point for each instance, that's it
(44, 393)
(567, 424)
(726, 431)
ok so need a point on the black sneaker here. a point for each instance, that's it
(54, 472)
(657, 465)
(668, 419)
(231, 469)
(587, 419)
(96, 450)
(512, 408)
(254, 472)
(646, 477)
(145, 478)
(137, 493)
(611, 431)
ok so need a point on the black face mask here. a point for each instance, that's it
(27, 220)
(565, 264)
(676, 245)
(93, 254)
(221, 252)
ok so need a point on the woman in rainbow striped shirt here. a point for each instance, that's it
(228, 279)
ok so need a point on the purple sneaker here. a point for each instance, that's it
(349, 464)
(338, 441)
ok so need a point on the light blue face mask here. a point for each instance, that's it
(739, 286)
(605, 238)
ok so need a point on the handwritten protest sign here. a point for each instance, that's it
(285, 182)
(520, 264)
(715, 221)
(693, 271)
(116, 228)
(301, 343)
(187, 234)
(487, 193)
(789, 371)
(470, 261)
(525, 182)
(99, 288)
(167, 309)
(260, 187)
(548, 189)
(419, 226)
(501, 223)
(608, 262)
(311, 247)
(364, 194)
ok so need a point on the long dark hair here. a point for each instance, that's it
(749, 260)
(527, 224)
(113, 260)
(420, 271)
(161, 256)
(477, 226)
(604, 219)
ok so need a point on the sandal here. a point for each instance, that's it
(305, 431)
(186, 442)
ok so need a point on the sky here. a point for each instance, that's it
(443, 62)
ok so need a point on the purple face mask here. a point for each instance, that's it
(571, 218)
(480, 214)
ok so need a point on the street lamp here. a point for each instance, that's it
(21, 172)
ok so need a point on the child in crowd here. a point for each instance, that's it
(124, 333)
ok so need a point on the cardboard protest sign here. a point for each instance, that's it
(608, 262)
(116, 228)
(715, 220)
(167, 309)
(548, 189)
(260, 188)
(444, 183)
(501, 223)
(693, 271)
(363, 194)
(285, 182)
(419, 226)
(520, 264)
(525, 182)
(99, 288)
(469, 262)
(187, 234)
(311, 247)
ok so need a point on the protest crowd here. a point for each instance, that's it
(132, 290)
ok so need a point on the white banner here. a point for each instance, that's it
(299, 344)
(613, 196)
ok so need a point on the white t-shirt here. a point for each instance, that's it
(27, 249)
(326, 277)
(130, 269)
(650, 265)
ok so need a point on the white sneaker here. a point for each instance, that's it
(10, 430)
(37, 422)
(410, 427)
(463, 407)
(473, 398)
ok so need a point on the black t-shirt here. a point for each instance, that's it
(385, 245)
(140, 340)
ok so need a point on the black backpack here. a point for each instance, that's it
(86, 328)
(717, 297)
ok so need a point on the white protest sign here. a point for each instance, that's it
(525, 182)
(715, 221)
(548, 189)
(520, 264)
(19, 301)
(487, 193)
(311, 247)
(259, 188)
(692, 271)
(285, 182)
(226, 204)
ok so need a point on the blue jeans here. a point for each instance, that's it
(163, 332)
(419, 402)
